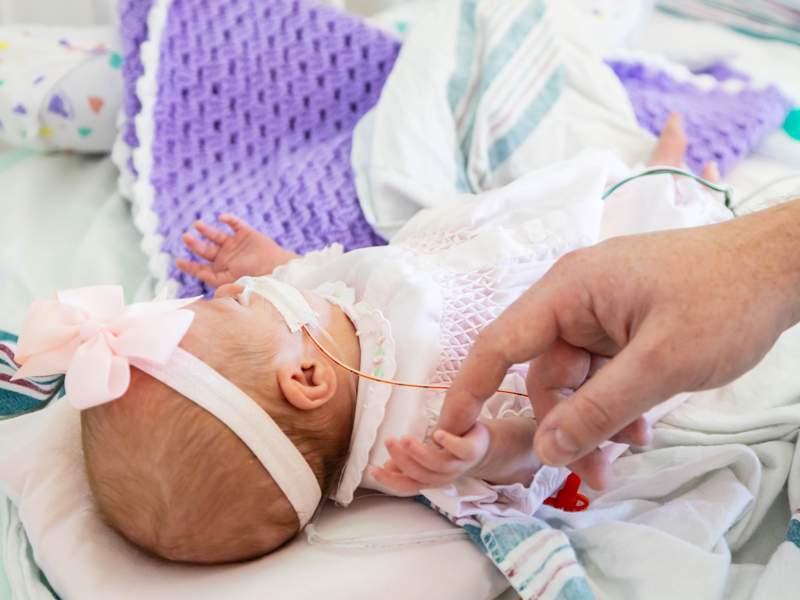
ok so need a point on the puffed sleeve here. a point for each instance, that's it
(298, 268)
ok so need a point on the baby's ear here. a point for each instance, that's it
(308, 385)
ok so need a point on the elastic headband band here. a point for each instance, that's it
(203, 385)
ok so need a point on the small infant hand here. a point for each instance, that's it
(246, 252)
(415, 466)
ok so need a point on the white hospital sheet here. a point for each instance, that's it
(62, 225)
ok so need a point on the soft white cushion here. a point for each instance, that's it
(41, 470)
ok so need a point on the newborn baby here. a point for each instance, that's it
(177, 482)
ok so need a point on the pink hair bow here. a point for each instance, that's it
(89, 333)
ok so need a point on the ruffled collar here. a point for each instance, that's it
(378, 359)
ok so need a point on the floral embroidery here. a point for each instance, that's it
(379, 354)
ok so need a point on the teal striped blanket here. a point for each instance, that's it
(19, 575)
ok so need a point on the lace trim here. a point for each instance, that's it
(121, 156)
(375, 336)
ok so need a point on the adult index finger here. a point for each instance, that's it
(525, 330)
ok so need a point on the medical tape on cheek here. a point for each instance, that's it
(288, 301)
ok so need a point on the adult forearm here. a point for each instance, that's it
(771, 243)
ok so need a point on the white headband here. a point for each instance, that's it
(206, 387)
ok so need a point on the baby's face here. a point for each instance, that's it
(258, 316)
(256, 321)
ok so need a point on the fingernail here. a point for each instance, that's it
(556, 448)
(405, 443)
(389, 443)
(438, 437)
(648, 434)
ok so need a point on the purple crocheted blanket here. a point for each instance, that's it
(724, 119)
(248, 106)
(252, 108)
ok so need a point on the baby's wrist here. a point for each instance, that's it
(282, 257)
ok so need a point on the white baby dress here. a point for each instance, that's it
(419, 302)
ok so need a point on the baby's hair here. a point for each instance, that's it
(178, 483)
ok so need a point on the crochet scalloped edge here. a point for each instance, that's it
(143, 193)
(682, 74)
(120, 155)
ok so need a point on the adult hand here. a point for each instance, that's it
(617, 328)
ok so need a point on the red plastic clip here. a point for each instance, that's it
(567, 498)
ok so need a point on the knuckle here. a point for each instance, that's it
(575, 260)
(599, 423)
(652, 355)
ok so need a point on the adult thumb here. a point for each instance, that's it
(630, 384)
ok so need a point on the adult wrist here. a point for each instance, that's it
(778, 252)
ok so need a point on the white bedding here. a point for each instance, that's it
(63, 225)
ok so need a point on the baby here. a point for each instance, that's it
(177, 482)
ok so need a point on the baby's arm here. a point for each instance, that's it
(499, 451)
(246, 252)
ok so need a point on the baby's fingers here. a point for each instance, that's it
(396, 481)
(188, 267)
(469, 448)
(233, 222)
(202, 271)
(411, 468)
(437, 460)
(199, 247)
(211, 233)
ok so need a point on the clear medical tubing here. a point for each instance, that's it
(383, 542)
(728, 192)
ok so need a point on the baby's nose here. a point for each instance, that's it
(229, 289)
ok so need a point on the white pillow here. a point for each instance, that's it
(41, 470)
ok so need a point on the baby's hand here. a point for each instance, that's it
(415, 466)
(246, 252)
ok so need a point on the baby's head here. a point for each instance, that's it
(176, 481)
